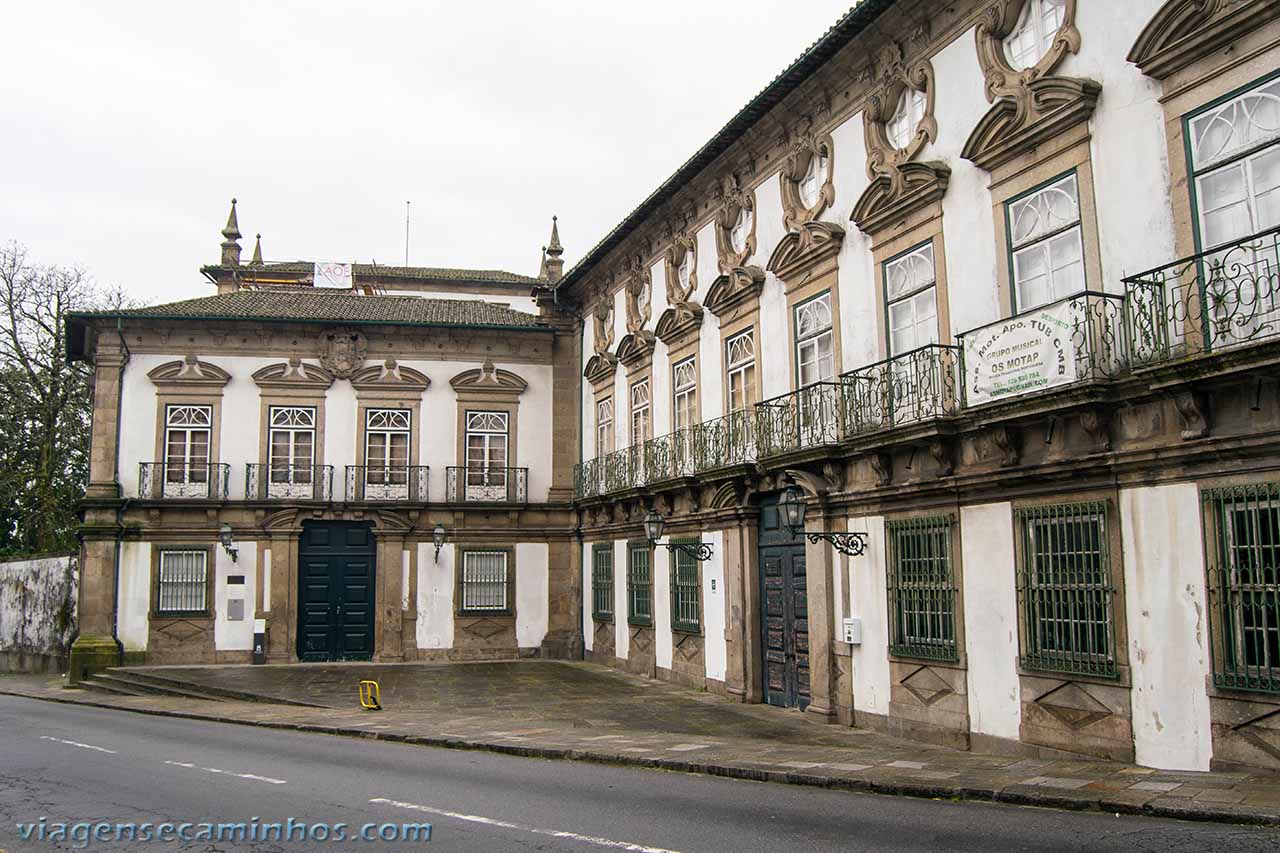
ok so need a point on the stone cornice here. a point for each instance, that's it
(635, 347)
(679, 321)
(1015, 126)
(803, 250)
(893, 196)
(738, 286)
(600, 367)
(1184, 31)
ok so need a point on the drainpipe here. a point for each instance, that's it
(124, 505)
(582, 568)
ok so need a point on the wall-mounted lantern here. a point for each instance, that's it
(653, 524)
(437, 539)
(228, 543)
(792, 506)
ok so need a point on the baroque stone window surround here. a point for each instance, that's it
(292, 383)
(798, 298)
(389, 386)
(154, 613)
(491, 389)
(683, 315)
(508, 614)
(735, 200)
(602, 397)
(1183, 32)
(748, 324)
(806, 143)
(693, 392)
(189, 382)
(635, 379)
(901, 244)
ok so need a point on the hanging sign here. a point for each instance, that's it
(328, 274)
(1029, 352)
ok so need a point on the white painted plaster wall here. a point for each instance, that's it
(773, 366)
(1167, 616)
(991, 619)
(622, 636)
(532, 572)
(435, 597)
(871, 658)
(662, 642)
(660, 391)
(860, 321)
(588, 624)
(266, 581)
(711, 393)
(587, 401)
(238, 635)
(134, 583)
(715, 647)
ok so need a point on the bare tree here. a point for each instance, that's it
(45, 402)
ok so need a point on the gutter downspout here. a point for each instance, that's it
(582, 639)
(120, 510)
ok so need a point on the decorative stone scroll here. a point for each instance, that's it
(806, 144)
(1184, 31)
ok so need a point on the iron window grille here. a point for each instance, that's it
(686, 608)
(639, 586)
(1064, 585)
(1244, 586)
(484, 582)
(922, 589)
(602, 583)
(183, 584)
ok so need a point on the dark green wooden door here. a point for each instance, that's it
(784, 612)
(336, 588)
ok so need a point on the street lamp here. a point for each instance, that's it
(792, 507)
(437, 539)
(228, 543)
(653, 524)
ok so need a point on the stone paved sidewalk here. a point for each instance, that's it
(585, 712)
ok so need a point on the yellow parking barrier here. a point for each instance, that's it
(370, 698)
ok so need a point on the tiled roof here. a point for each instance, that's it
(307, 304)
(366, 271)
(845, 30)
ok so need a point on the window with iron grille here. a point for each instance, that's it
(484, 582)
(183, 584)
(922, 589)
(686, 610)
(602, 582)
(1064, 583)
(1244, 581)
(639, 586)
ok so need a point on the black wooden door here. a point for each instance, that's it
(335, 578)
(784, 612)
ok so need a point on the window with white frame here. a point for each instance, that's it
(604, 426)
(741, 231)
(183, 582)
(740, 362)
(187, 431)
(1034, 33)
(643, 297)
(815, 177)
(685, 272)
(486, 455)
(684, 393)
(906, 117)
(815, 344)
(1047, 244)
(484, 582)
(386, 446)
(291, 450)
(641, 423)
(911, 300)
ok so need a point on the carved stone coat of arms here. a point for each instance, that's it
(343, 351)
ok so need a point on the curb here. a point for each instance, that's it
(923, 790)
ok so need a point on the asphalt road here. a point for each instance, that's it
(67, 763)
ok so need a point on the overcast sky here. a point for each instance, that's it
(128, 126)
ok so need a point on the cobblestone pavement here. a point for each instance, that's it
(588, 712)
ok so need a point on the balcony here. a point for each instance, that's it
(288, 482)
(917, 386)
(1220, 299)
(803, 419)
(723, 442)
(403, 483)
(183, 481)
(487, 485)
(1077, 339)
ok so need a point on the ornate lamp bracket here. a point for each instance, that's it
(850, 544)
(700, 551)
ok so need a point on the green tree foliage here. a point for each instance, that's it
(45, 402)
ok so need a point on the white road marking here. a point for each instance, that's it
(79, 744)
(253, 777)
(554, 833)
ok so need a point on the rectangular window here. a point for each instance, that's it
(484, 582)
(686, 609)
(187, 432)
(602, 582)
(1064, 582)
(291, 448)
(922, 589)
(684, 393)
(604, 426)
(386, 449)
(815, 343)
(639, 586)
(911, 301)
(1244, 582)
(641, 425)
(1046, 244)
(486, 449)
(183, 584)
(740, 361)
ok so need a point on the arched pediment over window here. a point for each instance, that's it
(294, 373)
(389, 376)
(600, 367)
(489, 379)
(1183, 31)
(191, 373)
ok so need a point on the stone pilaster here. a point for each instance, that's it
(109, 364)
(564, 590)
(823, 680)
(565, 379)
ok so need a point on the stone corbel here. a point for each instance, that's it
(1193, 408)
(1097, 423)
(882, 464)
(1002, 441)
(942, 451)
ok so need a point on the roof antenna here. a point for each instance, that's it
(406, 233)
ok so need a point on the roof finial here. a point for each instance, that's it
(552, 264)
(231, 233)
(256, 260)
(554, 249)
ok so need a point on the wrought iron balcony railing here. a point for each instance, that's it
(288, 482)
(624, 469)
(809, 417)
(407, 483)
(486, 485)
(588, 478)
(1077, 339)
(1225, 297)
(668, 457)
(183, 481)
(916, 386)
(721, 442)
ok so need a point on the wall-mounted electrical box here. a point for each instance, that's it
(853, 632)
